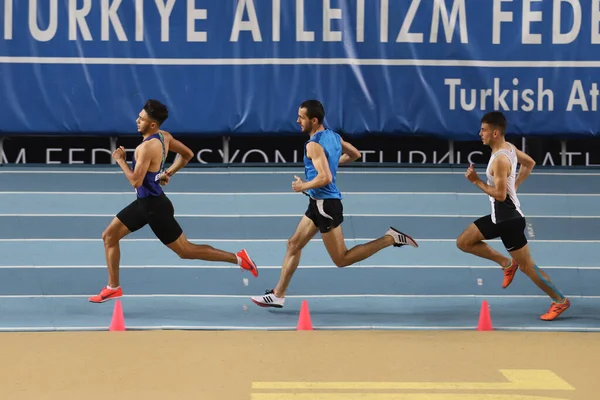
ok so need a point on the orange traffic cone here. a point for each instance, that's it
(485, 319)
(304, 322)
(118, 321)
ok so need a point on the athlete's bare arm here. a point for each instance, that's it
(500, 170)
(527, 164)
(143, 156)
(315, 152)
(184, 154)
(349, 153)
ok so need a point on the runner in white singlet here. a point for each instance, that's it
(506, 220)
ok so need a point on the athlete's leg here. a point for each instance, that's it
(305, 231)
(526, 263)
(471, 240)
(166, 228)
(190, 251)
(342, 257)
(538, 276)
(128, 220)
(513, 238)
(111, 236)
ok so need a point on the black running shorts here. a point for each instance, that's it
(156, 211)
(511, 231)
(325, 214)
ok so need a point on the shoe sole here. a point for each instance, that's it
(553, 319)
(265, 305)
(253, 271)
(105, 300)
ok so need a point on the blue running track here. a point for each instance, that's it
(53, 256)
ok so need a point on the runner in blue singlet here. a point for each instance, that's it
(323, 153)
(151, 206)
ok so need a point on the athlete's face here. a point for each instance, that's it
(306, 124)
(144, 123)
(488, 133)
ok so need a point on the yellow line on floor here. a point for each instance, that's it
(396, 396)
(517, 380)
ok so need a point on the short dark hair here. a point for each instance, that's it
(156, 110)
(496, 119)
(314, 109)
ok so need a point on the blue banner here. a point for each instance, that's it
(396, 67)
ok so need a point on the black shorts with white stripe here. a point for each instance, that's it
(326, 214)
(511, 231)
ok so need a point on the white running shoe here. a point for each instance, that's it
(268, 300)
(401, 239)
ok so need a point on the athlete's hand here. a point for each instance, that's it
(119, 153)
(471, 174)
(297, 184)
(165, 178)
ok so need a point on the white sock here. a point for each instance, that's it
(239, 260)
(112, 288)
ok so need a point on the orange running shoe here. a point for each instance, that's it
(509, 273)
(107, 294)
(556, 309)
(247, 262)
